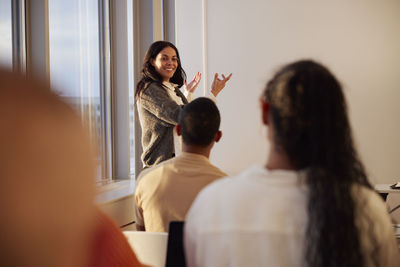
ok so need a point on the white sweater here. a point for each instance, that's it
(259, 217)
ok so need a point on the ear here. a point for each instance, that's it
(264, 105)
(218, 136)
(178, 129)
(152, 61)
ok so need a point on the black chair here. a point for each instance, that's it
(175, 250)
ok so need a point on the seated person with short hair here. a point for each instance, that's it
(164, 193)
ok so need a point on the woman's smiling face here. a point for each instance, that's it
(166, 63)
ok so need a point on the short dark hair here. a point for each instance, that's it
(199, 120)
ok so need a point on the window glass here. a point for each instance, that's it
(131, 89)
(5, 33)
(74, 62)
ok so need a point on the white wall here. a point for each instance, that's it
(358, 40)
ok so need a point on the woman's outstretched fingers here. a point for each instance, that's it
(191, 87)
(227, 78)
(219, 84)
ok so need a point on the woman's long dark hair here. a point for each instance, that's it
(149, 73)
(309, 114)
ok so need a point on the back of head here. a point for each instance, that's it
(199, 122)
(46, 178)
(309, 116)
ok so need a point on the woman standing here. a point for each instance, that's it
(159, 100)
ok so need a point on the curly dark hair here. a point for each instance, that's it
(309, 114)
(149, 73)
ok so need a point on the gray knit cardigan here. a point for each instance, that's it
(158, 114)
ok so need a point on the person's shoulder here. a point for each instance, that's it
(368, 196)
(369, 202)
(146, 177)
(153, 88)
(373, 219)
(225, 184)
(231, 183)
(216, 171)
(206, 199)
(153, 174)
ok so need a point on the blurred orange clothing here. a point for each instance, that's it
(111, 248)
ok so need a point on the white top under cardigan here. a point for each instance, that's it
(259, 217)
(189, 96)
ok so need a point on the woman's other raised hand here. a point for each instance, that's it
(191, 87)
(219, 84)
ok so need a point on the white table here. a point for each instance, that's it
(385, 189)
(150, 248)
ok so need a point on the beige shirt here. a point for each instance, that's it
(165, 192)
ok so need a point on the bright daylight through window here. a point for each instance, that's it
(5, 34)
(74, 62)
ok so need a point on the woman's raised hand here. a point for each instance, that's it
(219, 84)
(190, 87)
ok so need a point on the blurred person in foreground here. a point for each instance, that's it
(48, 217)
(165, 192)
(311, 204)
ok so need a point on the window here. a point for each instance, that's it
(74, 63)
(89, 51)
(5, 33)
(131, 89)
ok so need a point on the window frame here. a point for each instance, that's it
(18, 35)
(106, 89)
(151, 20)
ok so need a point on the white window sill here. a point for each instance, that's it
(116, 199)
(114, 191)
